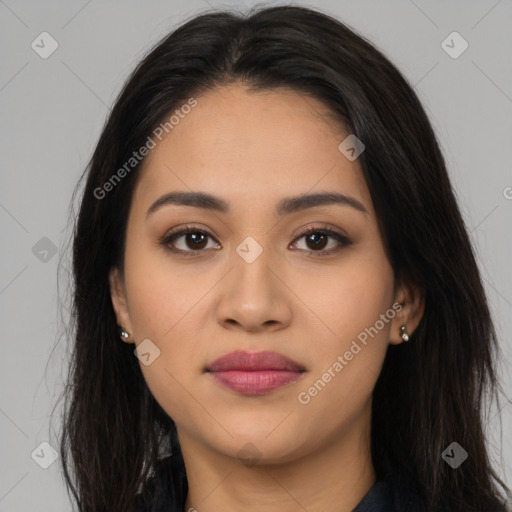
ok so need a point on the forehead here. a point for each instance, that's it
(252, 148)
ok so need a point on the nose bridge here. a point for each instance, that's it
(252, 295)
(252, 277)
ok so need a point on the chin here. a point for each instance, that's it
(256, 447)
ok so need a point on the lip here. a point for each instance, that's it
(254, 373)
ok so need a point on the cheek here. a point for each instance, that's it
(352, 345)
(346, 364)
(167, 306)
(162, 294)
(164, 307)
(346, 300)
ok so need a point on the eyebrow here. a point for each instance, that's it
(285, 206)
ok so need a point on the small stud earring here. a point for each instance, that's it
(403, 333)
(124, 335)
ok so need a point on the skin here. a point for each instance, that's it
(253, 149)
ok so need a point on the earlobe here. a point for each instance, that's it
(119, 303)
(412, 300)
(404, 334)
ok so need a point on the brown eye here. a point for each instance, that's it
(317, 239)
(186, 241)
(192, 241)
(195, 240)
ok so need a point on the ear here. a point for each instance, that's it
(119, 302)
(412, 300)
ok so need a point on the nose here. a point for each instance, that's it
(253, 298)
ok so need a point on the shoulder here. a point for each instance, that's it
(383, 497)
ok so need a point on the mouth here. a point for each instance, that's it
(254, 373)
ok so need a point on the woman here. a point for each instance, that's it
(268, 225)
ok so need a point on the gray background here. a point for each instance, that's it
(52, 111)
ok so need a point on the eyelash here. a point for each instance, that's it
(324, 230)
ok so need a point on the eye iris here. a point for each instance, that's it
(314, 238)
(197, 239)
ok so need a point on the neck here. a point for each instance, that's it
(334, 477)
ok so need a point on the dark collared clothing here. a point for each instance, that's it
(170, 484)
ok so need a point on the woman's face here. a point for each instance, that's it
(247, 279)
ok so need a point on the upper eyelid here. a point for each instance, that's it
(324, 227)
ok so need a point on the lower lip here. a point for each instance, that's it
(257, 382)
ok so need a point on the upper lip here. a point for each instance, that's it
(252, 361)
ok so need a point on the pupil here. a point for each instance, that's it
(196, 239)
(314, 236)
